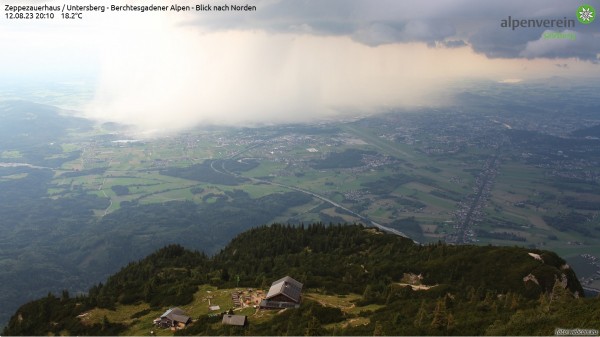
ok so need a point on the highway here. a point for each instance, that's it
(311, 193)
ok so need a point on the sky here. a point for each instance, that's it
(291, 60)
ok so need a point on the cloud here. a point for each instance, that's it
(379, 33)
(159, 81)
(292, 60)
(496, 42)
(454, 43)
(475, 22)
(298, 61)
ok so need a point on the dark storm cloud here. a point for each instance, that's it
(496, 42)
(377, 33)
(448, 23)
(454, 43)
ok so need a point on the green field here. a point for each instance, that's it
(430, 189)
(438, 182)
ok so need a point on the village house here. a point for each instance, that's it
(237, 320)
(284, 293)
(173, 317)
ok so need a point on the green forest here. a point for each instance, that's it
(468, 290)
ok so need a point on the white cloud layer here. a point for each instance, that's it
(291, 60)
(248, 78)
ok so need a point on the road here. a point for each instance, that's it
(475, 206)
(311, 193)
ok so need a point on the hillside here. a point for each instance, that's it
(31, 133)
(357, 281)
(592, 131)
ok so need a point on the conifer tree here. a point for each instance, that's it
(450, 322)
(421, 316)
(313, 327)
(440, 320)
(378, 331)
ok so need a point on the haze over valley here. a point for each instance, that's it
(81, 199)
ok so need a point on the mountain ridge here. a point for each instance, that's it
(335, 260)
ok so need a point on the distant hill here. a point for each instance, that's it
(593, 131)
(466, 290)
(35, 129)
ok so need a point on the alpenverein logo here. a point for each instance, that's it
(586, 14)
